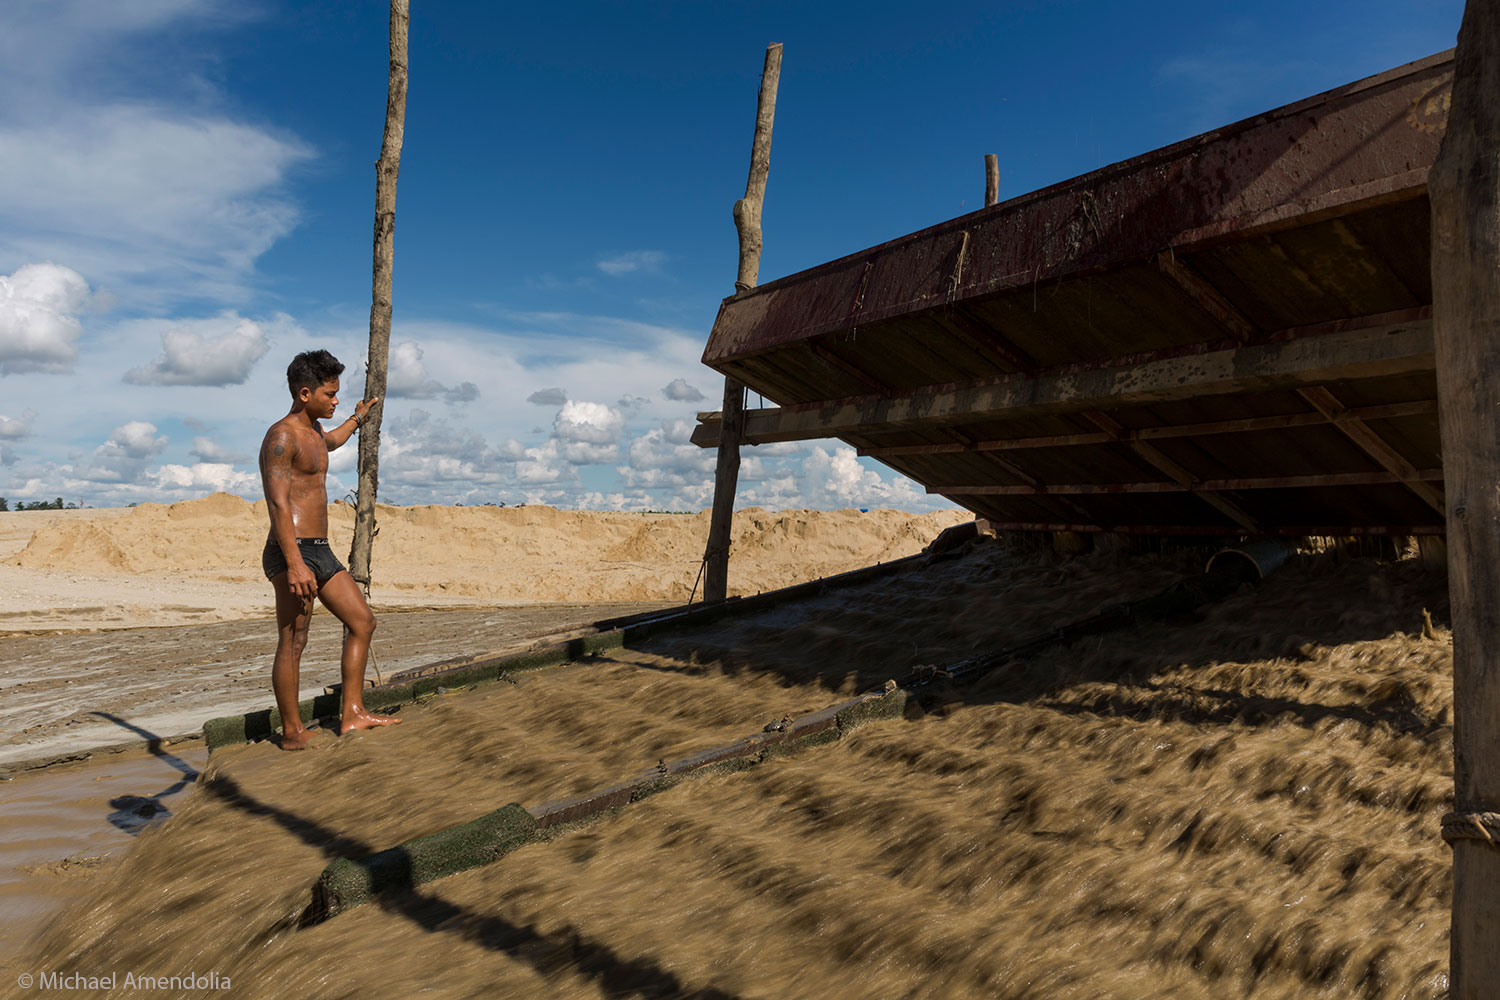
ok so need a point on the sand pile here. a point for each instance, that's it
(203, 556)
(1241, 804)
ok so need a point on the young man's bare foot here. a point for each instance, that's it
(361, 719)
(296, 739)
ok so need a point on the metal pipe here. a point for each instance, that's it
(1254, 560)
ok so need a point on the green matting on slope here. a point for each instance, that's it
(351, 882)
(232, 729)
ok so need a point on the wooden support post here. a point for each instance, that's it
(387, 170)
(1464, 187)
(991, 179)
(747, 223)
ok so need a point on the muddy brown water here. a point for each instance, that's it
(1241, 803)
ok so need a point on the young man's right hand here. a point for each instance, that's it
(300, 580)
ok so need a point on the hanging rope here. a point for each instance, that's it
(1483, 826)
(702, 566)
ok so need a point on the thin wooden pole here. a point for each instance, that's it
(747, 223)
(1464, 187)
(991, 179)
(387, 169)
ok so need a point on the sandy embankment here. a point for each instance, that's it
(1241, 803)
(199, 560)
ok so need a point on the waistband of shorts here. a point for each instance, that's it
(301, 541)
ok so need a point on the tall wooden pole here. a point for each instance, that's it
(387, 169)
(991, 179)
(747, 222)
(1464, 187)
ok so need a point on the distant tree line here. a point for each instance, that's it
(38, 505)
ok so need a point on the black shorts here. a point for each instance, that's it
(316, 553)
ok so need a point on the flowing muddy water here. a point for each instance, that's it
(1241, 803)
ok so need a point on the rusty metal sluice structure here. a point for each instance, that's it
(1230, 335)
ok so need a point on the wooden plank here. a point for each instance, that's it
(1371, 443)
(849, 368)
(1281, 421)
(1392, 349)
(1209, 485)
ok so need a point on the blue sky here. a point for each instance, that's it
(190, 190)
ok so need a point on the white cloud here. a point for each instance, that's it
(140, 196)
(15, 428)
(665, 458)
(119, 159)
(204, 357)
(545, 465)
(211, 476)
(208, 450)
(123, 456)
(679, 391)
(588, 433)
(406, 378)
(644, 261)
(629, 402)
(423, 458)
(39, 325)
(555, 396)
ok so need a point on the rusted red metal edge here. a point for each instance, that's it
(1218, 531)
(1367, 143)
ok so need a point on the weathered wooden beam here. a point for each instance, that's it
(991, 179)
(1371, 443)
(1031, 481)
(1392, 349)
(1207, 297)
(1464, 187)
(1280, 421)
(982, 335)
(1204, 485)
(1154, 457)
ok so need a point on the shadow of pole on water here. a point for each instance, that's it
(135, 813)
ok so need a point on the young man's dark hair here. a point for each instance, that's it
(311, 369)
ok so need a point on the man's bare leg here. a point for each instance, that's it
(341, 595)
(292, 616)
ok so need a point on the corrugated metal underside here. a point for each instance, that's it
(922, 319)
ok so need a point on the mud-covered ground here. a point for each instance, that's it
(1240, 803)
(71, 692)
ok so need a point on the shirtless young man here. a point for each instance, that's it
(297, 558)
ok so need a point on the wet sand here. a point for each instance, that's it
(1244, 803)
